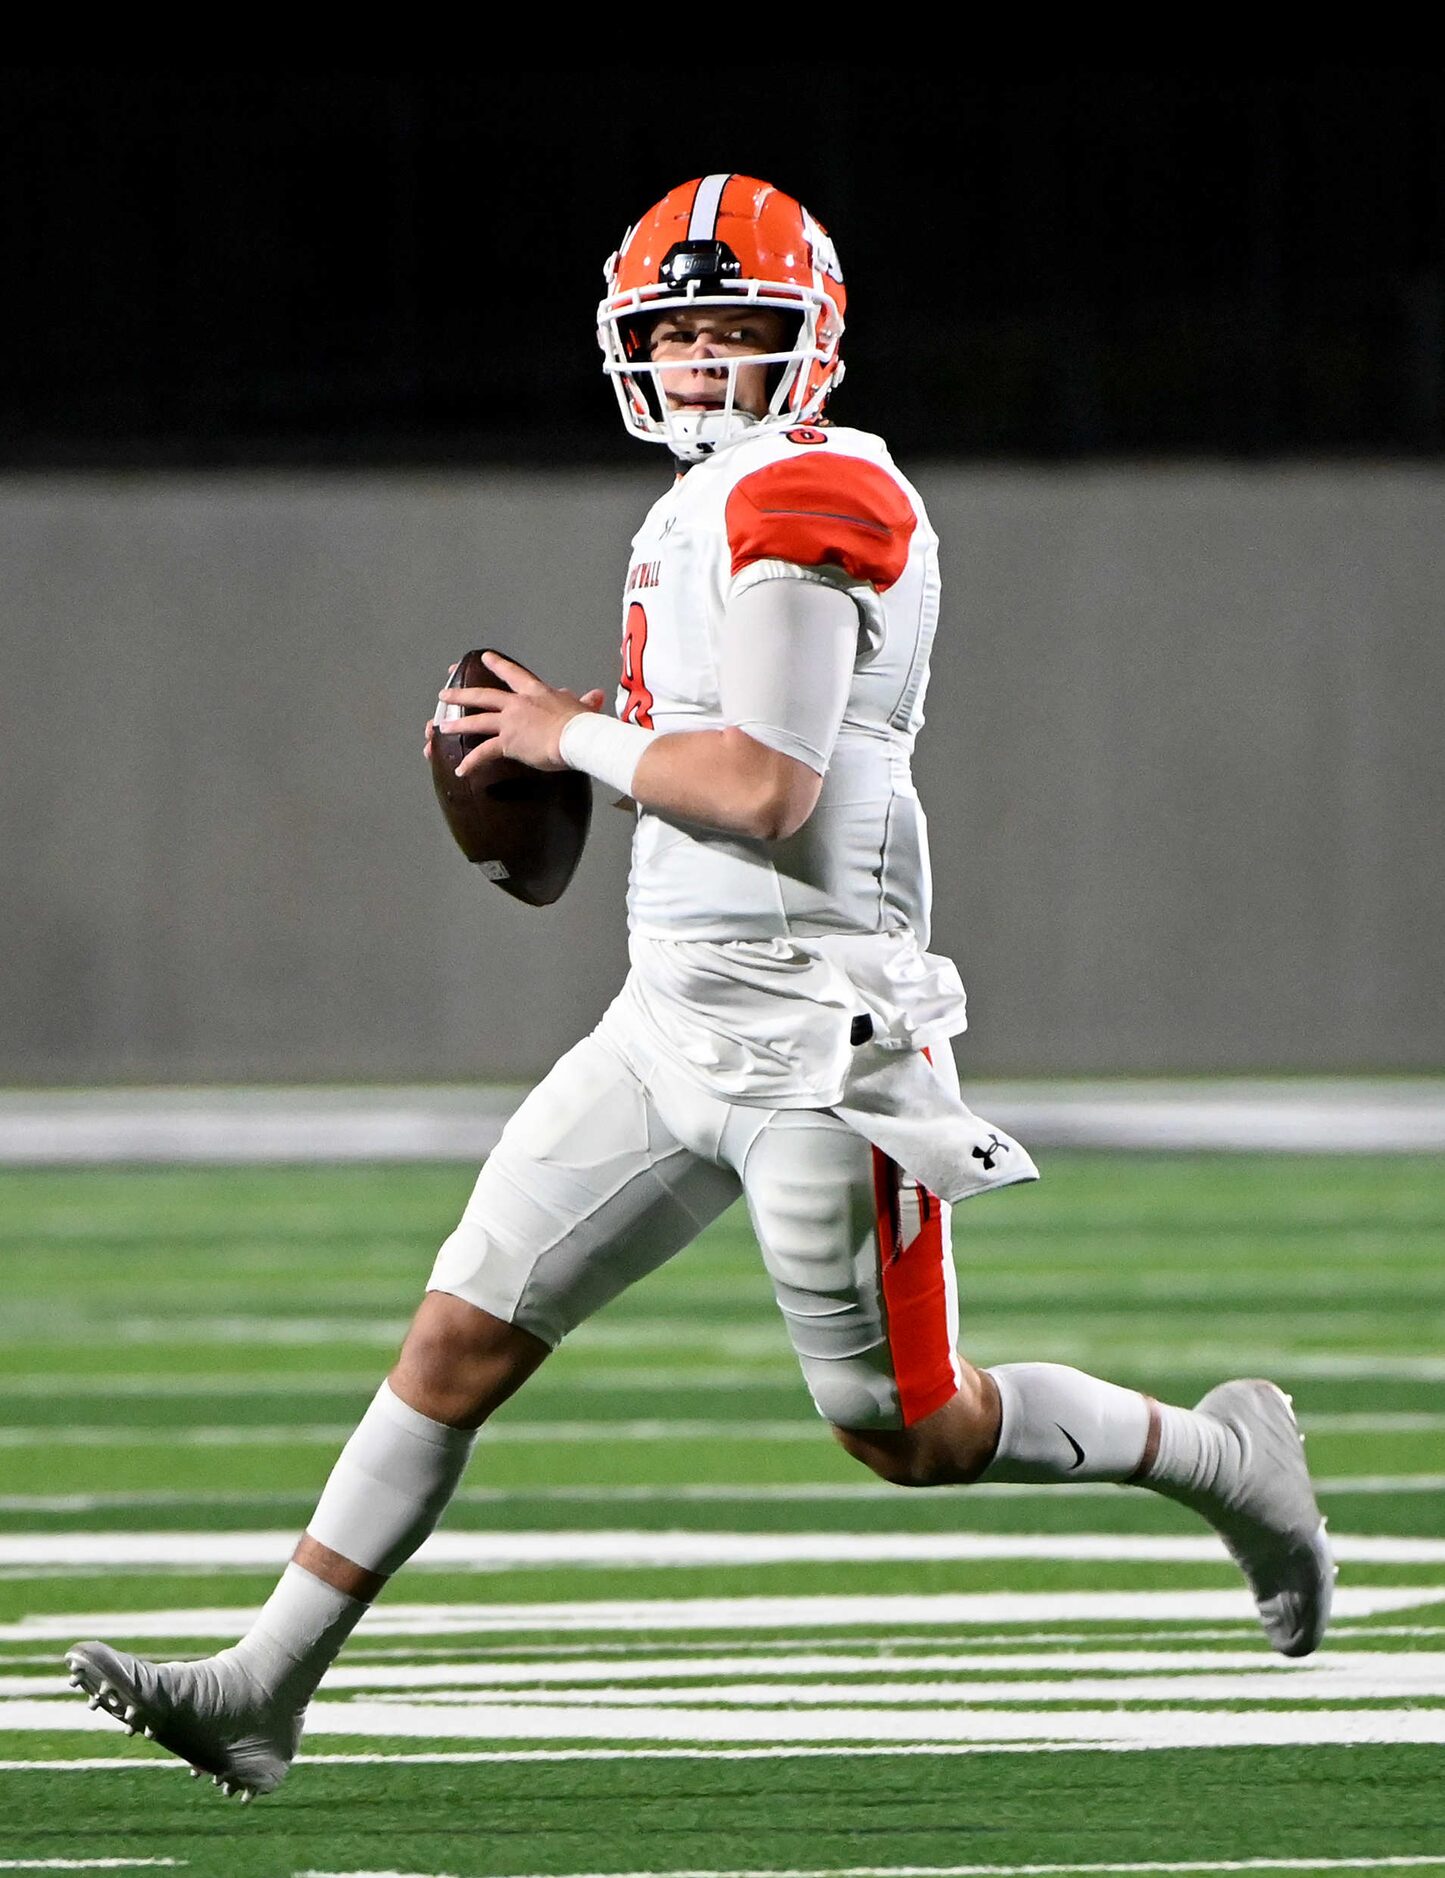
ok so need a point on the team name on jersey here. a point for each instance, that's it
(643, 574)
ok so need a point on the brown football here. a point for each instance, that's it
(524, 828)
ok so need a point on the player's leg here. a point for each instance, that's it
(862, 1270)
(587, 1191)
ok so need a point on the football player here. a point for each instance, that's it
(784, 1031)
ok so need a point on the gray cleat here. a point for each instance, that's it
(1267, 1515)
(209, 1713)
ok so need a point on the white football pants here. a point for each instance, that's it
(611, 1166)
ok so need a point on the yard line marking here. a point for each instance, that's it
(989, 1871)
(1263, 1686)
(656, 1381)
(1394, 1862)
(1355, 1366)
(1381, 1483)
(566, 1433)
(117, 1435)
(1373, 1422)
(682, 1550)
(661, 1379)
(1174, 1727)
(1128, 1675)
(178, 1328)
(327, 1434)
(51, 1386)
(705, 1493)
(84, 1864)
(472, 1757)
(882, 1613)
(1082, 1675)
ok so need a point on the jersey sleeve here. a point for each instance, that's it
(822, 511)
(786, 666)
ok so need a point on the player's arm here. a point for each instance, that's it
(727, 780)
(787, 662)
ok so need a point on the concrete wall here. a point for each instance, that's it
(1182, 764)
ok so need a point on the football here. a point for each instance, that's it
(524, 828)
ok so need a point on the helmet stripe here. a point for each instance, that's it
(705, 205)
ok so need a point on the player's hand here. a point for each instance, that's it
(524, 723)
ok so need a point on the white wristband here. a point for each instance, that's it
(604, 748)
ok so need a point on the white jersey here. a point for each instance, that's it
(810, 504)
(759, 967)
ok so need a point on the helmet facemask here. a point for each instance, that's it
(692, 434)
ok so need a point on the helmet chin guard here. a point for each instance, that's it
(732, 242)
(693, 435)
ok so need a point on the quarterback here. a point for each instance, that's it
(784, 1031)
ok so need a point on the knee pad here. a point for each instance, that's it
(850, 1392)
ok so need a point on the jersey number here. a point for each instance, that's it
(638, 708)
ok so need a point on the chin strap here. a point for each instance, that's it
(692, 435)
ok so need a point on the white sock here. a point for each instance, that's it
(1193, 1451)
(296, 1637)
(1059, 1424)
(391, 1484)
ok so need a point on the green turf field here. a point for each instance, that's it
(669, 1627)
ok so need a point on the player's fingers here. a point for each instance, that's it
(479, 758)
(592, 700)
(517, 676)
(477, 726)
(474, 697)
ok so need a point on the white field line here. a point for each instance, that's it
(658, 1380)
(670, 1334)
(122, 1763)
(744, 1343)
(984, 1871)
(1251, 1359)
(189, 1329)
(1189, 1677)
(332, 1434)
(1405, 1861)
(563, 1433)
(883, 1613)
(972, 1693)
(885, 1651)
(1420, 1671)
(1380, 1483)
(690, 1493)
(52, 1386)
(1176, 1727)
(632, 1656)
(510, 1551)
(1374, 1422)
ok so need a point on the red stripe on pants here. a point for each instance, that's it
(915, 1298)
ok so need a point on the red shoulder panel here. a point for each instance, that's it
(824, 508)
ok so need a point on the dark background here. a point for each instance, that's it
(372, 269)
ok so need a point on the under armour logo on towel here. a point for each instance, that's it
(987, 1155)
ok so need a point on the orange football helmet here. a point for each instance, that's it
(723, 241)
